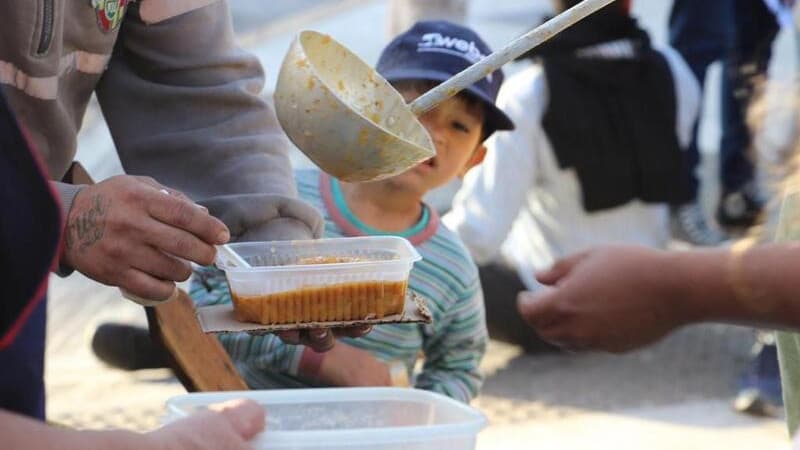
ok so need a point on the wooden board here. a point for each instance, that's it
(198, 359)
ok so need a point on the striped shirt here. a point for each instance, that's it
(453, 345)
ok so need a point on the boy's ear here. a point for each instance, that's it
(474, 160)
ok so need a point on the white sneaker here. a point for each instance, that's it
(689, 224)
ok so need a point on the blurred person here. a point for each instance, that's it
(405, 13)
(740, 33)
(621, 298)
(454, 343)
(30, 240)
(602, 123)
(184, 111)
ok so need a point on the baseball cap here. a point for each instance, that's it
(437, 50)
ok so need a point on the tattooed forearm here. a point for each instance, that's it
(85, 228)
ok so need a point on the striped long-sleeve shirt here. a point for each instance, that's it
(453, 345)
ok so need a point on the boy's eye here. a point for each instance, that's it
(460, 127)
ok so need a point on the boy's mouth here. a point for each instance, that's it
(429, 162)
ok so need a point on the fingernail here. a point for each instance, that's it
(223, 236)
(322, 335)
(164, 191)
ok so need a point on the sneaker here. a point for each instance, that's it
(760, 386)
(126, 347)
(689, 224)
(740, 208)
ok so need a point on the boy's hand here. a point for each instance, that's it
(347, 366)
(126, 232)
(321, 340)
(227, 426)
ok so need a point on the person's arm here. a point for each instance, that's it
(454, 352)
(343, 365)
(493, 193)
(621, 298)
(183, 105)
(346, 366)
(227, 427)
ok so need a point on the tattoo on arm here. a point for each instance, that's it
(86, 228)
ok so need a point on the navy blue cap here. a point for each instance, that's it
(437, 50)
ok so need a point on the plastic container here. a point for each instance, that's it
(282, 270)
(352, 418)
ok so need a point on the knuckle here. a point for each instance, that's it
(182, 214)
(132, 195)
(183, 272)
(207, 256)
(183, 246)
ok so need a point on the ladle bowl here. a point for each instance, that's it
(343, 115)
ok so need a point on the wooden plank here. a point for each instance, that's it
(199, 360)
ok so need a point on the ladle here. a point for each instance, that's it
(350, 121)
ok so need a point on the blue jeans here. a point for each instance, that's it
(740, 34)
(22, 368)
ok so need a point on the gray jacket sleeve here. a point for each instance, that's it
(183, 106)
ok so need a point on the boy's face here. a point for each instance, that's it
(456, 129)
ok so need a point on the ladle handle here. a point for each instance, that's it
(517, 47)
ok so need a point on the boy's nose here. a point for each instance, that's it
(434, 130)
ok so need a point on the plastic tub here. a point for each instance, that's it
(275, 264)
(352, 418)
(285, 275)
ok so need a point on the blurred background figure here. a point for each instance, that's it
(404, 13)
(739, 33)
(603, 119)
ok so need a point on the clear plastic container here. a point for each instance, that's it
(352, 418)
(275, 265)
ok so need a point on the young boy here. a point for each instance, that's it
(453, 345)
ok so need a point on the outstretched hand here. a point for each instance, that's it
(614, 299)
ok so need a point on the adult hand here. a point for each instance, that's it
(614, 299)
(347, 366)
(227, 426)
(321, 340)
(126, 232)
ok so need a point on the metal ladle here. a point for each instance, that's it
(353, 124)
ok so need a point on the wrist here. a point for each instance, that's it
(700, 288)
(69, 198)
(311, 363)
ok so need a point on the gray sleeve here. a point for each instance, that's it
(66, 193)
(183, 105)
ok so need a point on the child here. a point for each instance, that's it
(603, 120)
(453, 345)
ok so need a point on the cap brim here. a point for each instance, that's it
(496, 120)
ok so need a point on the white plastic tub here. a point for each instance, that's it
(352, 418)
(275, 269)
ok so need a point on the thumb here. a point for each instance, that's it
(245, 416)
(560, 269)
(538, 309)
